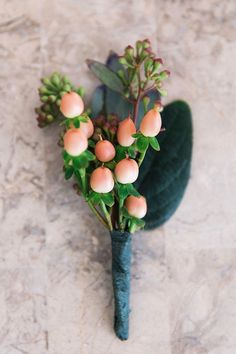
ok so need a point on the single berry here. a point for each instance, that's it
(105, 151)
(101, 180)
(75, 142)
(125, 131)
(136, 206)
(126, 171)
(72, 105)
(151, 123)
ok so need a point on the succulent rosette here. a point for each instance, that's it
(104, 149)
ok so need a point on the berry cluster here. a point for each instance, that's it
(106, 170)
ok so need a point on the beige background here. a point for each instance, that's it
(55, 281)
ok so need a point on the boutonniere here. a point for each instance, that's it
(128, 155)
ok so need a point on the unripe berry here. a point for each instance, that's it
(75, 142)
(87, 128)
(151, 123)
(136, 206)
(72, 105)
(126, 171)
(105, 151)
(101, 180)
(125, 131)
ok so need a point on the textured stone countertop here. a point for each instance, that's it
(55, 281)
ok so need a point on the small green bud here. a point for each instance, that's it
(148, 66)
(55, 79)
(146, 43)
(44, 98)
(123, 61)
(146, 101)
(62, 93)
(67, 87)
(52, 98)
(163, 75)
(47, 108)
(44, 91)
(58, 102)
(46, 81)
(81, 91)
(50, 118)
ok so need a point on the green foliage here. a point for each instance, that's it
(97, 198)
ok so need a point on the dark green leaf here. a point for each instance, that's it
(154, 143)
(107, 76)
(69, 170)
(120, 152)
(76, 123)
(142, 143)
(164, 175)
(132, 151)
(97, 103)
(80, 161)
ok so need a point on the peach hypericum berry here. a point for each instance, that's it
(75, 142)
(104, 151)
(136, 206)
(72, 105)
(101, 180)
(87, 128)
(125, 131)
(126, 171)
(151, 123)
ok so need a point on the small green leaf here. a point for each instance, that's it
(107, 76)
(94, 197)
(142, 143)
(76, 122)
(108, 199)
(83, 119)
(131, 190)
(136, 135)
(120, 152)
(90, 156)
(131, 151)
(69, 170)
(154, 143)
(80, 161)
(91, 143)
(111, 165)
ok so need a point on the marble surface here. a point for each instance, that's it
(55, 280)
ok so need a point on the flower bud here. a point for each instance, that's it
(105, 151)
(101, 180)
(75, 142)
(87, 128)
(72, 105)
(151, 123)
(126, 171)
(136, 206)
(125, 131)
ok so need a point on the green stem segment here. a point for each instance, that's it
(107, 215)
(141, 158)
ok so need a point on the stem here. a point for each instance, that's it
(132, 227)
(82, 173)
(98, 215)
(136, 104)
(107, 215)
(141, 158)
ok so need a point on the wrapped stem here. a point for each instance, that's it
(121, 261)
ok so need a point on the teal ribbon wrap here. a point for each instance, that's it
(121, 261)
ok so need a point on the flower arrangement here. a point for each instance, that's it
(104, 149)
